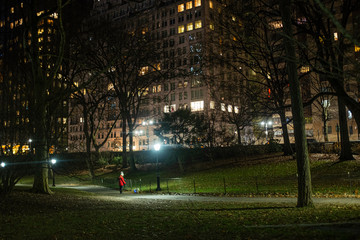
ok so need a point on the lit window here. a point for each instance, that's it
(223, 107)
(236, 109)
(211, 4)
(39, 13)
(357, 48)
(305, 69)
(197, 106)
(211, 26)
(198, 24)
(189, 5)
(11, 25)
(40, 39)
(276, 24)
(181, 8)
(110, 87)
(197, 3)
(212, 105)
(230, 108)
(12, 10)
(336, 37)
(189, 27)
(159, 88)
(181, 29)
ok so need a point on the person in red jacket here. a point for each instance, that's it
(121, 182)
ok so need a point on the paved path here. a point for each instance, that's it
(107, 192)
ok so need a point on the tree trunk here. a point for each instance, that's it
(325, 121)
(302, 157)
(238, 135)
(287, 146)
(41, 181)
(88, 159)
(131, 151)
(124, 142)
(345, 153)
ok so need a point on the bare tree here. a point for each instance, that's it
(253, 51)
(302, 155)
(326, 31)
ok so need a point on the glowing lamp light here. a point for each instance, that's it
(157, 146)
(53, 161)
(3, 164)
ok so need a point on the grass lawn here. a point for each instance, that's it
(272, 176)
(70, 214)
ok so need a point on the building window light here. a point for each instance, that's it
(189, 27)
(211, 26)
(236, 109)
(336, 36)
(181, 8)
(189, 5)
(198, 24)
(197, 106)
(357, 48)
(222, 106)
(276, 24)
(305, 69)
(181, 29)
(211, 4)
(197, 3)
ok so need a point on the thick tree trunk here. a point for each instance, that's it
(238, 135)
(124, 143)
(89, 161)
(287, 146)
(345, 153)
(131, 151)
(302, 158)
(325, 124)
(41, 181)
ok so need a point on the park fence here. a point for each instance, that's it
(254, 185)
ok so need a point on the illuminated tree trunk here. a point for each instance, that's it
(302, 155)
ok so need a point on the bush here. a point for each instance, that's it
(273, 146)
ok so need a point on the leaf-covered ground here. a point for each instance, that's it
(70, 215)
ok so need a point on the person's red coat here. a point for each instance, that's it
(121, 181)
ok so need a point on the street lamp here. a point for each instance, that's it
(157, 149)
(30, 141)
(53, 161)
(147, 123)
(266, 128)
(3, 164)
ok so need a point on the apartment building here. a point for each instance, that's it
(28, 40)
(178, 28)
(181, 29)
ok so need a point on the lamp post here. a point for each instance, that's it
(266, 128)
(53, 161)
(147, 123)
(30, 141)
(157, 149)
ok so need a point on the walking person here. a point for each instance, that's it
(121, 182)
